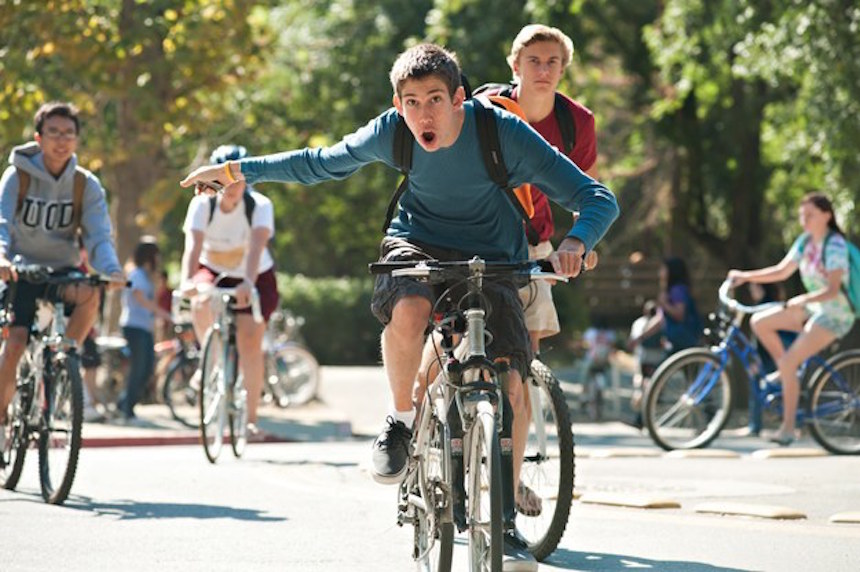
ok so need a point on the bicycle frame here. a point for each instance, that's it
(735, 344)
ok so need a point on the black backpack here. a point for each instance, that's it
(491, 150)
(562, 114)
(250, 204)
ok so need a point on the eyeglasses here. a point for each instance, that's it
(56, 134)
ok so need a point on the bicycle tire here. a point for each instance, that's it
(238, 412)
(17, 440)
(549, 463)
(436, 506)
(212, 404)
(834, 404)
(60, 433)
(674, 419)
(484, 493)
(293, 376)
(181, 399)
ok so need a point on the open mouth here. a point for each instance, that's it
(428, 136)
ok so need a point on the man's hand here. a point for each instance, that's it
(7, 270)
(567, 260)
(207, 174)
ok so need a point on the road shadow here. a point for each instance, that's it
(596, 561)
(133, 510)
(309, 463)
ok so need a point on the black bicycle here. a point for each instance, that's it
(47, 408)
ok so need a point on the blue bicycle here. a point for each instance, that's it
(689, 400)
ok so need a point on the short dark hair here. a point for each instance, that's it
(426, 60)
(146, 252)
(56, 109)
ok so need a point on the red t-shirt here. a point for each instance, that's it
(584, 154)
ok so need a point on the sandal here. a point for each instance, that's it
(780, 438)
(528, 502)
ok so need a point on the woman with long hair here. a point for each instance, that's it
(820, 315)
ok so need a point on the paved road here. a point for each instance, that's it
(311, 505)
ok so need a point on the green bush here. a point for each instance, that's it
(339, 327)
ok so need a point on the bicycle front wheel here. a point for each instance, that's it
(60, 433)
(213, 401)
(238, 414)
(178, 393)
(16, 440)
(548, 465)
(688, 401)
(484, 490)
(834, 405)
(433, 525)
(293, 374)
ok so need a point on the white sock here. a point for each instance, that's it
(405, 417)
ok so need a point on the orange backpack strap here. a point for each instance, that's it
(23, 188)
(78, 198)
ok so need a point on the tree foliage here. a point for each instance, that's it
(713, 117)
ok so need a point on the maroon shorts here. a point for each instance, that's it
(267, 287)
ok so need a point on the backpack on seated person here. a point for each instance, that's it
(491, 151)
(852, 292)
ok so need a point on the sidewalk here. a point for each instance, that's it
(316, 421)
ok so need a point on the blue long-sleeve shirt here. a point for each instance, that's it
(452, 202)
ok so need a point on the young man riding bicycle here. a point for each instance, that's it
(226, 235)
(40, 217)
(453, 210)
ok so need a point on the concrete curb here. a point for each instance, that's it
(629, 500)
(159, 440)
(757, 510)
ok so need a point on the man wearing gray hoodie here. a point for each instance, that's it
(45, 197)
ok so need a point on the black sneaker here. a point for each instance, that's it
(516, 557)
(390, 452)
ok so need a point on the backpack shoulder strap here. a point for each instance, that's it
(564, 118)
(250, 205)
(213, 203)
(491, 150)
(403, 144)
(23, 188)
(78, 198)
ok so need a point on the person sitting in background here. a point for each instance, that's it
(649, 353)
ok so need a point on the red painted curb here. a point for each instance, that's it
(157, 440)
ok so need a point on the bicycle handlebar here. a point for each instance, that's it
(531, 269)
(736, 306)
(205, 289)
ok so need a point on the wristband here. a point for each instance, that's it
(227, 170)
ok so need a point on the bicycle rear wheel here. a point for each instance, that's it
(688, 401)
(177, 392)
(238, 407)
(213, 401)
(293, 374)
(834, 405)
(433, 524)
(60, 434)
(16, 439)
(484, 490)
(548, 465)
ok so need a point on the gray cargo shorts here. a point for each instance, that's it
(506, 321)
